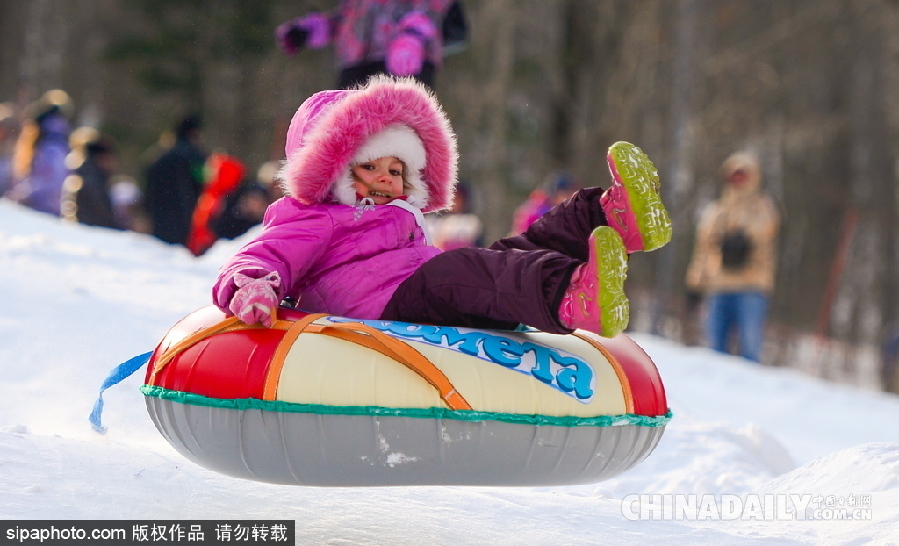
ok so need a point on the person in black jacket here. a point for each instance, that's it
(244, 209)
(174, 183)
(86, 197)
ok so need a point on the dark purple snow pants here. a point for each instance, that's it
(518, 280)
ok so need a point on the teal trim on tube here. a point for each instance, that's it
(628, 419)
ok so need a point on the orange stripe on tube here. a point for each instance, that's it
(273, 376)
(376, 340)
(191, 340)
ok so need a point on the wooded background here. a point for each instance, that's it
(811, 86)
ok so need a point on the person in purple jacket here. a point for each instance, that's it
(40, 160)
(349, 237)
(395, 37)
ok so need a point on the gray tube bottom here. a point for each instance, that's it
(376, 450)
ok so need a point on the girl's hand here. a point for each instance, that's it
(255, 299)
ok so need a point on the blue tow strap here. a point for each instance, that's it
(119, 373)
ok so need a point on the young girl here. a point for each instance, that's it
(350, 239)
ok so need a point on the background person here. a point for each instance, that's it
(225, 174)
(459, 227)
(174, 183)
(244, 209)
(734, 259)
(39, 161)
(9, 132)
(127, 205)
(558, 187)
(395, 37)
(86, 197)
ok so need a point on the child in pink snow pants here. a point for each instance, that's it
(349, 239)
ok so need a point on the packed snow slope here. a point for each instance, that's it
(77, 301)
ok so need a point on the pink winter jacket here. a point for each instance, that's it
(338, 259)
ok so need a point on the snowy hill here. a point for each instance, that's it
(746, 446)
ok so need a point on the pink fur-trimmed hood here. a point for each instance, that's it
(331, 126)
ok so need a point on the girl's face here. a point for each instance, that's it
(380, 179)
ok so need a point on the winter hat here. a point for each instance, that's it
(747, 162)
(335, 129)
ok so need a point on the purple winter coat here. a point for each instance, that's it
(339, 259)
(41, 188)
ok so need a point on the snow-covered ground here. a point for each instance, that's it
(746, 445)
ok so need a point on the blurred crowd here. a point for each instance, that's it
(185, 196)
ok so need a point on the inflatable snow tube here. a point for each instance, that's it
(329, 401)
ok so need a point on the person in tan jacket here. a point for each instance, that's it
(734, 258)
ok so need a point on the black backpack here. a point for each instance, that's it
(736, 248)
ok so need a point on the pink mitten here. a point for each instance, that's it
(255, 299)
(405, 55)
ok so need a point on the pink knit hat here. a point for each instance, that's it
(333, 129)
